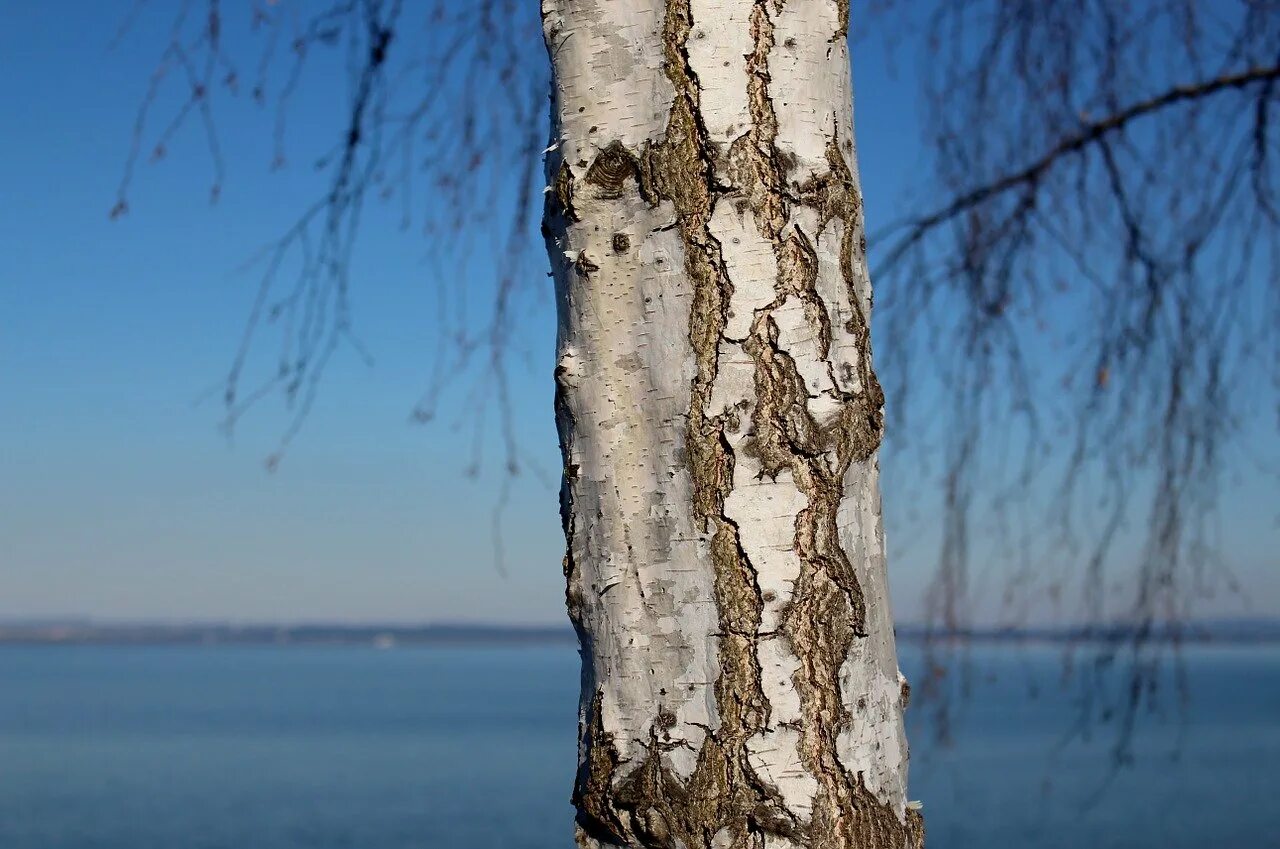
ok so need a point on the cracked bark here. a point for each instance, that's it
(719, 420)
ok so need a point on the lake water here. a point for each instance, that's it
(437, 748)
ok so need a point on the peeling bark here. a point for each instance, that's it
(719, 420)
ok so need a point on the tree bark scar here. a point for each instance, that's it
(827, 609)
(564, 428)
(723, 803)
(611, 170)
(835, 196)
(563, 193)
(591, 797)
(842, 11)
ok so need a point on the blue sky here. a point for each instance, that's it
(120, 496)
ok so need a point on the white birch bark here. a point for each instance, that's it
(720, 420)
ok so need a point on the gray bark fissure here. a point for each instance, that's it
(719, 420)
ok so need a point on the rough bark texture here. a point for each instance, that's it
(720, 421)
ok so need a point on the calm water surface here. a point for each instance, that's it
(316, 748)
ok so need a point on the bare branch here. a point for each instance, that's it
(1091, 132)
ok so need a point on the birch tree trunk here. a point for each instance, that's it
(720, 420)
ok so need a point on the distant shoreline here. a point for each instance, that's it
(90, 632)
(317, 634)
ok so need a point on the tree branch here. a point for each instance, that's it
(1090, 132)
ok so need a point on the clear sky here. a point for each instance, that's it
(120, 498)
